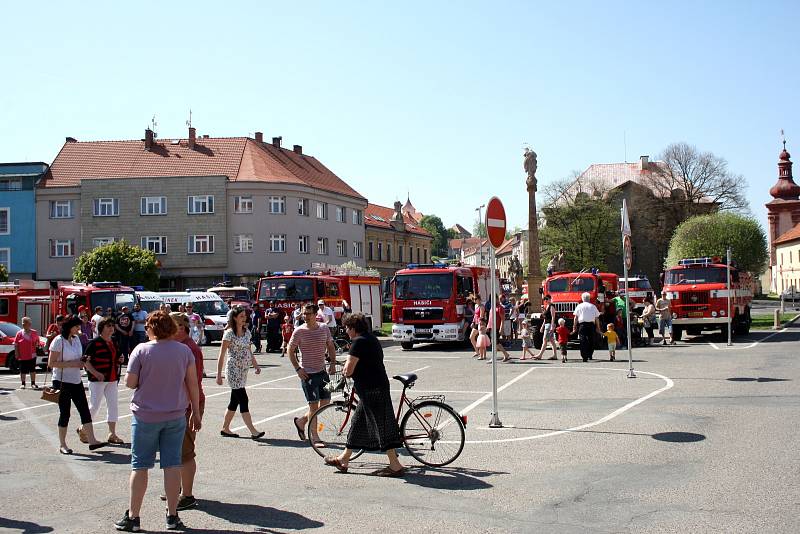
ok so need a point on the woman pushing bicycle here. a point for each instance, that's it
(374, 427)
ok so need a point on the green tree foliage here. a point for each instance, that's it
(3, 274)
(118, 261)
(479, 230)
(434, 225)
(710, 235)
(587, 228)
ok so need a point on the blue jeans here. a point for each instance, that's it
(165, 437)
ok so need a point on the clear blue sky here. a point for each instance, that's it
(435, 98)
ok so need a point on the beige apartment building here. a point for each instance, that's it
(209, 208)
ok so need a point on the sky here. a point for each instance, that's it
(435, 100)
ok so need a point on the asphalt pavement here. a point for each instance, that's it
(704, 439)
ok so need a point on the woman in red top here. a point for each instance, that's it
(103, 361)
(25, 344)
(286, 331)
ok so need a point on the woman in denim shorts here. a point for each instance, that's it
(160, 372)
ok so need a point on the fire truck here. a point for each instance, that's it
(28, 298)
(639, 288)
(71, 296)
(428, 302)
(361, 288)
(698, 293)
(565, 290)
(238, 295)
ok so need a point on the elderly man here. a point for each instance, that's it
(586, 323)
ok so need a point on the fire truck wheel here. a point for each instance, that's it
(677, 332)
(724, 331)
(407, 345)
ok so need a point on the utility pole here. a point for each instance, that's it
(479, 209)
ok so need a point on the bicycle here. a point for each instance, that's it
(431, 430)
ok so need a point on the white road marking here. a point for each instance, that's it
(501, 388)
(612, 415)
(751, 345)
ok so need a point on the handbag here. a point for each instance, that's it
(49, 393)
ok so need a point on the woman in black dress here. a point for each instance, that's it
(374, 427)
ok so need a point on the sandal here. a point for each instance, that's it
(228, 434)
(115, 440)
(389, 472)
(336, 462)
(65, 450)
(95, 446)
(300, 432)
(257, 436)
(81, 436)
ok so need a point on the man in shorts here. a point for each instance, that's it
(664, 318)
(316, 346)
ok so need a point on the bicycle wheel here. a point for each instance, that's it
(332, 423)
(433, 433)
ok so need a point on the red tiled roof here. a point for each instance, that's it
(384, 215)
(237, 158)
(791, 235)
(506, 248)
(610, 175)
(455, 244)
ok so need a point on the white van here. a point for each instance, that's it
(149, 300)
(210, 306)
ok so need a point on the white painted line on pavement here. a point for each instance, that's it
(751, 345)
(501, 388)
(612, 415)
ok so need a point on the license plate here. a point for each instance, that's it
(423, 330)
(695, 314)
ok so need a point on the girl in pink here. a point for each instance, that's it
(482, 340)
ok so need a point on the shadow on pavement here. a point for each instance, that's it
(105, 456)
(759, 379)
(278, 442)
(25, 526)
(679, 437)
(450, 478)
(264, 517)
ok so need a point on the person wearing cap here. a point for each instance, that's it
(325, 315)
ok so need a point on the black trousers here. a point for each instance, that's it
(239, 400)
(255, 334)
(586, 337)
(75, 394)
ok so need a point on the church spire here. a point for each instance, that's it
(785, 188)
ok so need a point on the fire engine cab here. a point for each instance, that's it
(28, 298)
(361, 288)
(565, 290)
(428, 302)
(107, 295)
(639, 288)
(698, 293)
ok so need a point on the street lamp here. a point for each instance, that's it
(479, 209)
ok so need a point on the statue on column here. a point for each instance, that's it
(530, 166)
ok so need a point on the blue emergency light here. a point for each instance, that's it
(696, 261)
(426, 266)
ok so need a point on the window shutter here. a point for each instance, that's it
(96, 209)
(116, 206)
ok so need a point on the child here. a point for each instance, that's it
(562, 333)
(525, 335)
(611, 337)
(286, 331)
(482, 340)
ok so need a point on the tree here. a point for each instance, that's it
(479, 229)
(434, 225)
(586, 226)
(118, 261)
(3, 273)
(687, 182)
(710, 235)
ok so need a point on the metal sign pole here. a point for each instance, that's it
(495, 422)
(631, 374)
(728, 270)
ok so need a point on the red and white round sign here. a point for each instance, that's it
(495, 222)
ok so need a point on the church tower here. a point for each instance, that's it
(783, 212)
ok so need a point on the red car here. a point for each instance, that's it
(7, 333)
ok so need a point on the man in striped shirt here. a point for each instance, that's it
(315, 342)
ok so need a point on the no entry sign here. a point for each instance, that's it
(495, 222)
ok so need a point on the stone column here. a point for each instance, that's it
(534, 264)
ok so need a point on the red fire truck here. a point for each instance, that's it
(428, 302)
(698, 293)
(361, 288)
(73, 295)
(565, 290)
(639, 289)
(28, 298)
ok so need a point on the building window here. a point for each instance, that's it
(11, 184)
(201, 204)
(380, 251)
(302, 206)
(277, 243)
(411, 254)
(358, 249)
(341, 247)
(61, 209)
(243, 204)
(243, 243)
(302, 244)
(388, 252)
(5, 221)
(322, 210)
(322, 245)
(157, 244)
(5, 261)
(100, 241)
(153, 206)
(341, 214)
(358, 217)
(419, 256)
(369, 251)
(201, 244)
(277, 205)
(425, 252)
(400, 253)
(106, 207)
(62, 248)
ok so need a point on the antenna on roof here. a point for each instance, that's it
(189, 122)
(783, 137)
(154, 125)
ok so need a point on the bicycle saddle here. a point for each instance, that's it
(406, 379)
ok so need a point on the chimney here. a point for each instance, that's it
(276, 141)
(71, 140)
(644, 161)
(298, 149)
(192, 137)
(259, 137)
(148, 139)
